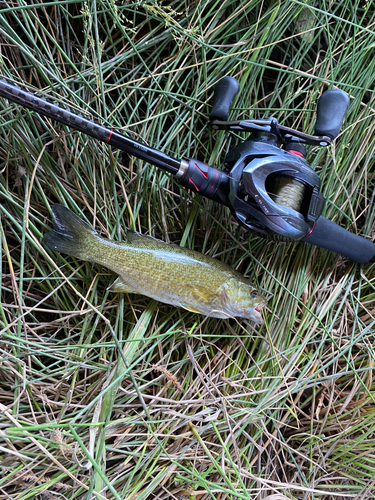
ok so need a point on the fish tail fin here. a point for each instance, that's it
(70, 234)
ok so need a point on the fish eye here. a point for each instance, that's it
(254, 293)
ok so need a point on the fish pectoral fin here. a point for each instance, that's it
(203, 294)
(191, 309)
(201, 300)
(120, 286)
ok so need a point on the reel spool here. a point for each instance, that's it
(287, 192)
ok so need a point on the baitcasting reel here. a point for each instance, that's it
(269, 189)
(273, 190)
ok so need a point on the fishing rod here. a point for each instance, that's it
(268, 185)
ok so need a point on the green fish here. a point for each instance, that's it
(164, 272)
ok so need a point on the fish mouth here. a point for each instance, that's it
(257, 314)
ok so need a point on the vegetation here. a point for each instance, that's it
(106, 396)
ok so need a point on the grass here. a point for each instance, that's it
(116, 397)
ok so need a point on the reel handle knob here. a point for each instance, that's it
(332, 106)
(224, 93)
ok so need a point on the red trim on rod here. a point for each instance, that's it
(311, 230)
(110, 135)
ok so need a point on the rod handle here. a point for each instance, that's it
(203, 179)
(327, 234)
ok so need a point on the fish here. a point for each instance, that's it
(162, 271)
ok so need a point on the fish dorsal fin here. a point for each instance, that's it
(143, 240)
(149, 242)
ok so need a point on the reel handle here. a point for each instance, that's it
(225, 91)
(332, 106)
(326, 234)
